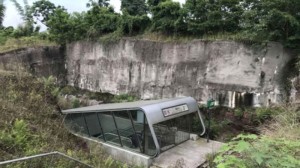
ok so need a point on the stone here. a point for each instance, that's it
(231, 72)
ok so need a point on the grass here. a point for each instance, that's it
(156, 36)
(11, 44)
(286, 124)
(277, 146)
(31, 124)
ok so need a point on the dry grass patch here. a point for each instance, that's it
(23, 42)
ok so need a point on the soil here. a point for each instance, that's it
(225, 124)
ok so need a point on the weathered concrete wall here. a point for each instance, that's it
(41, 61)
(228, 71)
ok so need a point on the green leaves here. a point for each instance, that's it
(167, 18)
(242, 146)
(17, 138)
(132, 25)
(254, 20)
(258, 157)
(207, 17)
(42, 9)
(2, 10)
(251, 151)
(134, 7)
(246, 137)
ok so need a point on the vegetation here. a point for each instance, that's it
(251, 20)
(2, 10)
(26, 34)
(31, 124)
(277, 146)
(253, 151)
(11, 44)
(124, 98)
(134, 7)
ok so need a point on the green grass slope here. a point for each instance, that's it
(30, 124)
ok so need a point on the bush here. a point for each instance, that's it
(286, 124)
(264, 113)
(168, 18)
(251, 151)
(75, 103)
(17, 137)
(124, 98)
(278, 146)
(238, 112)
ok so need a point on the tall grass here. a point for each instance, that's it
(10, 44)
(286, 124)
(31, 124)
(277, 146)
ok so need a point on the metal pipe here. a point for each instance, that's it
(113, 115)
(208, 127)
(42, 155)
(133, 127)
(201, 120)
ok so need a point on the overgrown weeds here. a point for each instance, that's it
(277, 146)
(253, 151)
(286, 124)
(10, 44)
(124, 98)
(31, 124)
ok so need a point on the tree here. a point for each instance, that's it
(2, 10)
(101, 3)
(274, 20)
(42, 9)
(64, 27)
(153, 3)
(27, 28)
(23, 11)
(101, 20)
(131, 25)
(213, 16)
(134, 7)
(60, 26)
(167, 18)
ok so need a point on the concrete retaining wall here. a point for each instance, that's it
(41, 61)
(223, 70)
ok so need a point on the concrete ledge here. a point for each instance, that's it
(127, 156)
(121, 154)
(189, 154)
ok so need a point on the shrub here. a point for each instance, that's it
(286, 124)
(251, 151)
(16, 137)
(124, 98)
(264, 113)
(238, 112)
(75, 103)
(279, 146)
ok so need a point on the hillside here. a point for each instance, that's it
(277, 145)
(243, 53)
(30, 124)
